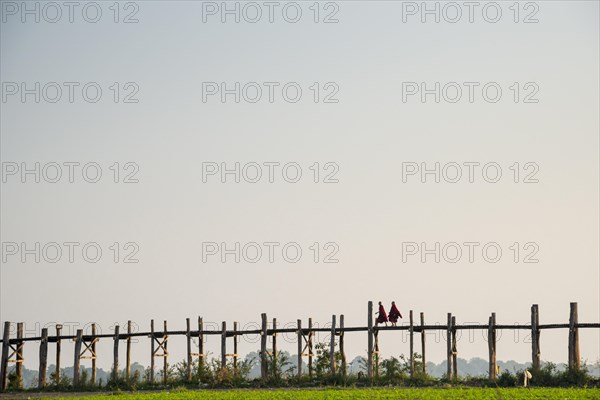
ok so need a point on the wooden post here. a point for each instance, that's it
(263, 347)
(116, 355)
(411, 343)
(128, 356)
(77, 357)
(4, 362)
(574, 357)
(223, 344)
(274, 350)
(423, 343)
(310, 336)
(535, 337)
(376, 353)
(342, 351)
(454, 350)
(449, 347)
(166, 355)
(152, 351)
(370, 340)
(492, 346)
(200, 344)
(19, 354)
(43, 359)
(188, 338)
(300, 348)
(58, 346)
(332, 346)
(93, 348)
(235, 346)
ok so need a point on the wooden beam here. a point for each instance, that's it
(310, 336)
(376, 353)
(370, 340)
(77, 357)
(188, 338)
(152, 351)
(93, 348)
(58, 349)
(492, 346)
(411, 343)
(332, 346)
(300, 348)
(19, 354)
(274, 349)
(116, 355)
(423, 344)
(128, 356)
(449, 347)
(5, 351)
(223, 344)
(574, 356)
(166, 354)
(200, 345)
(235, 346)
(43, 359)
(454, 350)
(263, 347)
(535, 337)
(342, 351)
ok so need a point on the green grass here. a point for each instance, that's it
(366, 394)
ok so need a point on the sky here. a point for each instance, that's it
(163, 160)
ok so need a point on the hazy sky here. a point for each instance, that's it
(368, 127)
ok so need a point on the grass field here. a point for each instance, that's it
(366, 394)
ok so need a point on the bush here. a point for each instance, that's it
(13, 382)
(548, 375)
(506, 379)
(65, 381)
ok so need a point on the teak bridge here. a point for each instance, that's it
(85, 345)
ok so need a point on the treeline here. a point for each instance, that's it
(282, 372)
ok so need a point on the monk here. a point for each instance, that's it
(394, 314)
(382, 316)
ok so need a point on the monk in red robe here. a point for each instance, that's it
(382, 316)
(394, 314)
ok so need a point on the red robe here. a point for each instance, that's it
(394, 314)
(382, 317)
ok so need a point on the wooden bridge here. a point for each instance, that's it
(85, 345)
